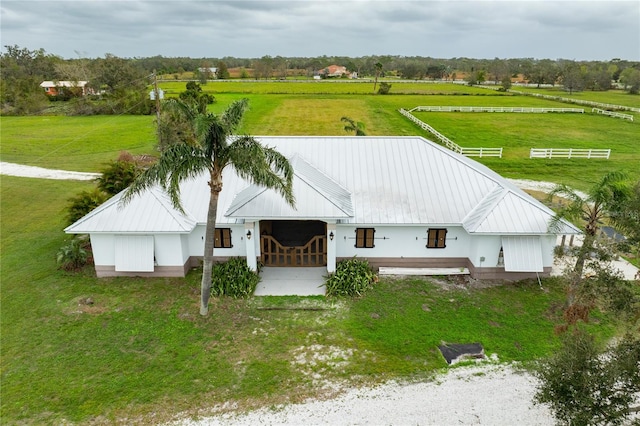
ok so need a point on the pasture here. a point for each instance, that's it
(77, 349)
(315, 108)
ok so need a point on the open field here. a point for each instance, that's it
(82, 144)
(615, 97)
(86, 143)
(138, 352)
(324, 87)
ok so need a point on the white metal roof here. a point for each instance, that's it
(359, 180)
(63, 83)
(151, 212)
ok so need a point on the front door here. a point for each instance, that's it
(293, 243)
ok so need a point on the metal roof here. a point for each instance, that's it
(151, 212)
(317, 197)
(359, 180)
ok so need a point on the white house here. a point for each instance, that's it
(396, 201)
(53, 88)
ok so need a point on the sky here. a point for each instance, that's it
(549, 29)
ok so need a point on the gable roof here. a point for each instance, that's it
(357, 180)
(317, 196)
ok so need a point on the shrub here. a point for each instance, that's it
(352, 278)
(74, 255)
(233, 278)
(384, 88)
(117, 176)
(83, 203)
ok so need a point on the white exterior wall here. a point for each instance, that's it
(487, 246)
(168, 250)
(405, 241)
(196, 242)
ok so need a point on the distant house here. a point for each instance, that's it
(335, 71)
(210, 71)
(55, 88)
(395, 201)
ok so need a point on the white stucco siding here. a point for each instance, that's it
(401, 241)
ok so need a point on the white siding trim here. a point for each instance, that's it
(134, 253)
(522, 254)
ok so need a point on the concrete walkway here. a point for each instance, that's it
(291, 282)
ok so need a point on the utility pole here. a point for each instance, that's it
(157, 95)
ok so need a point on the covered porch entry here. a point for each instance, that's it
(293, 243)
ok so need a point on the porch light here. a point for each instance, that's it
(249, 234)
(331, 235)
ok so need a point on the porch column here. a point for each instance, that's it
(331, 247)
(250, 244)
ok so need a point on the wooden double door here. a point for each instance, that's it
(293, 243)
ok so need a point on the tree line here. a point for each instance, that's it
(121, 83)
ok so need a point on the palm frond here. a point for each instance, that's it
(177, 163)
(262, 165)
(233, 115)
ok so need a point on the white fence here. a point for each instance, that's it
(494, 109)
(569, 153)
(577, 101)
(469, 152)
(612, 113)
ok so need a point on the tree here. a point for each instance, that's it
(628, 219)
(573, 78)
(630, 77)
(505, 85)
(353, 126)
(605, 199)
(197, 97)
(587, 385)
(216, 148)
(378, 68)
(223, 71)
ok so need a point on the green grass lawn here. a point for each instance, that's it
(140, 348)
(74, 143)
(326, 87)
(614, 97)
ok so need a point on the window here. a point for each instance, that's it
(436, 238)
(222, 238)
(364, 237)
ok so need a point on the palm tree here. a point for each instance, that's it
(605, 200)
(353, 126)
(378, 69)
(216, 147)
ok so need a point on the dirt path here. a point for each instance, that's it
(11, 169)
